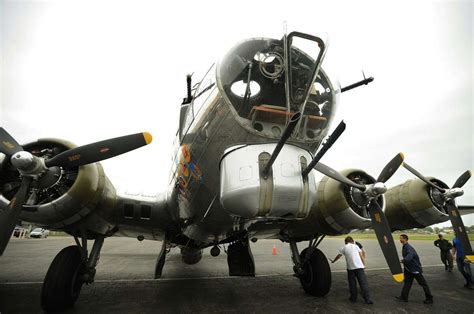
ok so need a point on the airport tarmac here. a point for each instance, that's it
(124, 281)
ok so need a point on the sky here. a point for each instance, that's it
(91, 70)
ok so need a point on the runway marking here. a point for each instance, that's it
(193, 278)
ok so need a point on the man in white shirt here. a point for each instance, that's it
(355, 269)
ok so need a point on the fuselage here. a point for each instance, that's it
(222, 120)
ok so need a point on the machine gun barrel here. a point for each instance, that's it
(286, 135)
(363, 82)
(331, 139)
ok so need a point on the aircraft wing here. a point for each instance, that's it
(466, 209)
(53, 183)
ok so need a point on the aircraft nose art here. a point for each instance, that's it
(246, 193)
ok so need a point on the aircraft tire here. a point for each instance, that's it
(316, 279)
(62, 283)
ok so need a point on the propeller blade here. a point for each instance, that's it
(384, 236)
(337, 176)
(460, 230)
(325, 147)
(8, 145)
(393, 165)
(422, 177)
(365, 213)
(462, 179)
(98, 151)
(9, 217)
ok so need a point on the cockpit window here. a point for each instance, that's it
(239, 89)
(252, 77)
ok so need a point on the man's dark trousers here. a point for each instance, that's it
(409, 281)
(447, 259)
(364, 286)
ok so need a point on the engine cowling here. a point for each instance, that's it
(190, 256)
(61, 197)
(414, 204)
(338, 209)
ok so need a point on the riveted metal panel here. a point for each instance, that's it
(281, 194)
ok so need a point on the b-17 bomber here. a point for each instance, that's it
(252, 134)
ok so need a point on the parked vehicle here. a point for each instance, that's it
(39, 233)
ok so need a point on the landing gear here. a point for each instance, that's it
(316, 277)
(70, 269)
(160, 262)
(62, 284)
(240, 259)
(312, 268)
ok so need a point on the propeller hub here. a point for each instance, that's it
(23, 160)
(453, 193)
(376, 189)
(28, 164)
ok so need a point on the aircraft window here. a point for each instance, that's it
(239, 88)
(259, 62)
(189, 118)
(145, 212)
(262, 63)
(204, 89)
(271, 65)
(260, 56)
(306, 53)
(128, 211)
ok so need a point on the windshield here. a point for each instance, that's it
(253, 78)
(37, 230)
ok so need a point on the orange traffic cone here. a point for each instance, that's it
(274, 250)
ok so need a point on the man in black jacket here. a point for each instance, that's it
(412, 270)
(445, 253)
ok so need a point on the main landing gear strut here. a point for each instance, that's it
(312, 268)
(70, 269)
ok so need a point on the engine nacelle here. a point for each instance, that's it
(62, 197)
(414, 204)
(336, 210)
(190, 256)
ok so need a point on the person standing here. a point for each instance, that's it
(445, 252)
(463, 266)
(355, 263)
(412, 270)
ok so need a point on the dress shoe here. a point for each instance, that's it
(369, 302)
(428, 301)
(401, 299)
